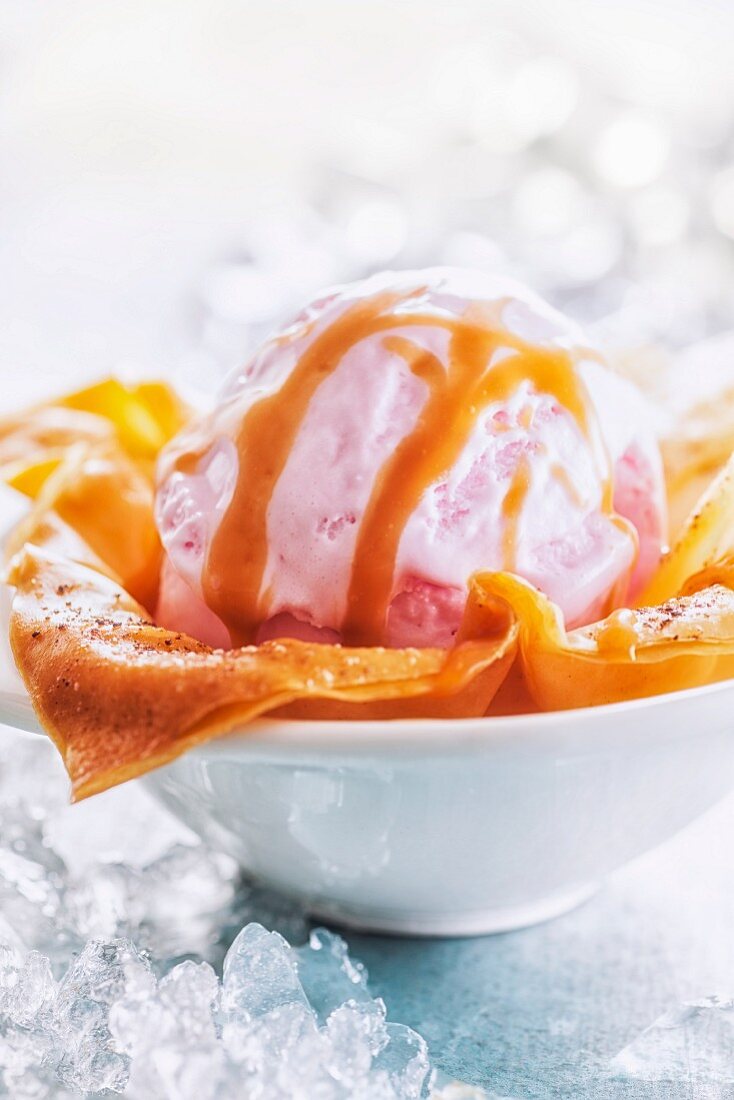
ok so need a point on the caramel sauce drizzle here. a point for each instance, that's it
(618, 636)
(456, 397)
(563, 477)
(238, 554)
(512, 510)
(424, 454)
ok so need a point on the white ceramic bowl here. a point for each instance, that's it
(437, 827)
(456, 828)
(433, 827)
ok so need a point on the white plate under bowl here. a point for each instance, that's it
(445, 827)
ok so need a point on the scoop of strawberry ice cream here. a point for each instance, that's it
(533, 485)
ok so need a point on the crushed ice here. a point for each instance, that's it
(113, 927)
(110, 1024)
(694, 1040)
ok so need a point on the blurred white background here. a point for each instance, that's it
(175, 175)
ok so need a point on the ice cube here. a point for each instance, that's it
(171, 1036)
(97, 978)
(90, 1068)
(21, 1050)
(282, 1044)
(190, 993)
(356, 1034)
(260, 974)
(269, 1028)
(100, 973)
(26, 989)
(694, 1040)
(328, 975)
(177, 1072)
(404, 1059)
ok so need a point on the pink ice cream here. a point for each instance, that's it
(567, 542)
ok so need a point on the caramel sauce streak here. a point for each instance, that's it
(419, 459)
(618, 635)
(563, 477)
(512, 510)
(423, 364)
(238, 554)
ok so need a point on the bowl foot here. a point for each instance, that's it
(484, 922)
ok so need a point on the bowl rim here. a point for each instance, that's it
(582, 728)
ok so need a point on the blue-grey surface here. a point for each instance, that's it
(540, 1013)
